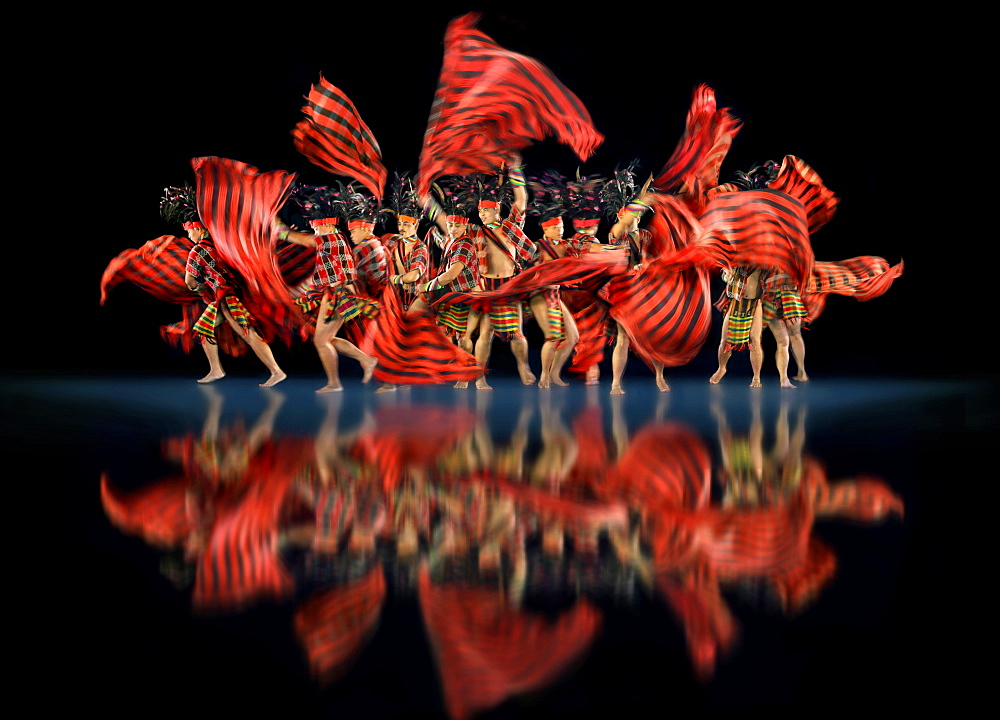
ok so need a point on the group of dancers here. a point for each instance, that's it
(454, 266)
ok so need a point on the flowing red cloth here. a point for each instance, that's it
(800, 181)
(157, 267)
(334, 625)
(491, 103)
(488, 650)
(238, 205)
(412, 350)
(864, 278)
(157, 513)
(694, 165)
(566, 271)
(334, 137)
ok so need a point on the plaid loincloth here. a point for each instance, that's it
(784, 304)
(740, 323)
(204, 328)
(504, 316)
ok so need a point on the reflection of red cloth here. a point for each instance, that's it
(157, 513)
(488, 650)
(334, 625)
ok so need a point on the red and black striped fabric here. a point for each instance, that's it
(693, 167)
(157, 267)
(334, 625)
(412, 350)
(800, 181)
(756, 228)
(488, 650)
(158, 513)
(864, 278)
(334, 137)
(490, 103)
(238, 204)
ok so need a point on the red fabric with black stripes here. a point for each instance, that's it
(334, 625)
(334, 137)
(490, 103)
(798, 180)
(238, 204)
(488, 650)
(694, 165)
(864, 278)
(412, 350)
(157, 267)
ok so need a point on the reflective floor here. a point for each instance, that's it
(514, 553)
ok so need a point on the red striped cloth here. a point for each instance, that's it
(694, 165)
(157, 267)
(334, 137)
(238, 204)
(412, 350)
(800, 181)
(334, 625)
(488, 650)
(490, 103)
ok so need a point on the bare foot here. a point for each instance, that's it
(388, 387)
(461, 384)
(527, 377)
(212, 377)
(331, 388)
(276, 377)
(559, 381)
(787, 384)
(801, 377)
(369, 368)
(756, 383)
(717, 376)
(544, 383)
(592, 381)
(661, 382)
(481, 384)
(617, 390)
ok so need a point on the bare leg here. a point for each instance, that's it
(539, 308)
(483, 345)
(261, 349)
(756, 349)
(466, 342)
(798, 346)
(519, 346)
(566, 348)
(723, 353)
(619, 358)
(593, 376)
(780, 333)
(327, 349)
(215, 371)
(661, 382)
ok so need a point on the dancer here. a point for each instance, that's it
(207, 274)
(331, 292)
(504, 250)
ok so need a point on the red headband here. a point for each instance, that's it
(192, 225)
(488, 204)
(580, 223)
(324, 221)
(552, 221)
(354, 224)
(406, 218)
(458, 219)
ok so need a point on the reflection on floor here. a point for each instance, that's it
(548, 550)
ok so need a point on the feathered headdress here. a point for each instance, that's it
(549, 196)
(493, 189)
(179, 205)
(322, 205)
(360, 206)
(758, 177)
(458, 195)
(619, 191)
(584, 197)
(402, 201)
